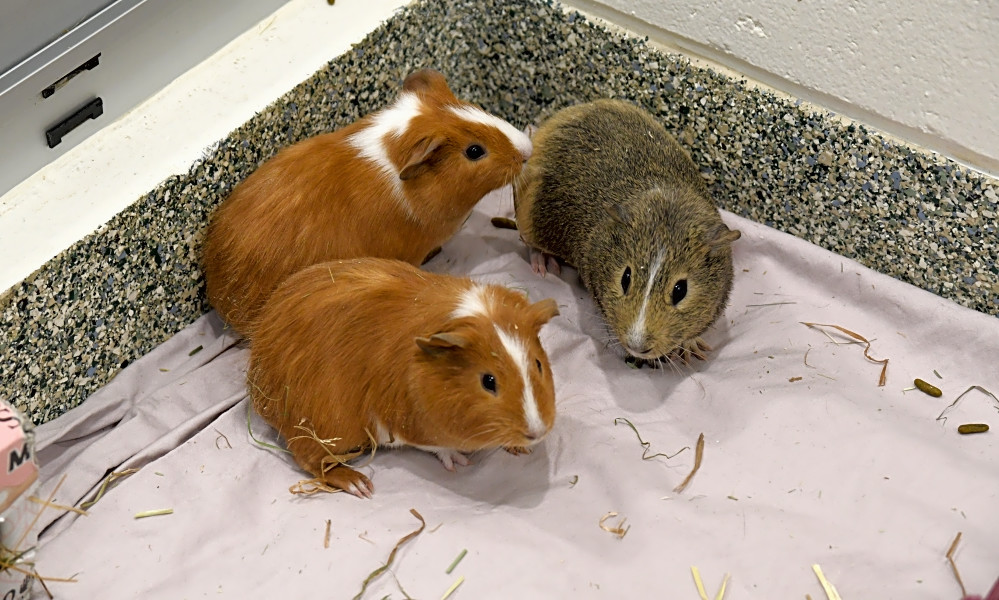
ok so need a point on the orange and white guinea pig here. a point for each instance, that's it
(396, 184)
(357, 351)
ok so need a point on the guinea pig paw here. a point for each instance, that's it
(350, 481)
(449, 458)
(695, 347)
(543, 263)
(518, 450)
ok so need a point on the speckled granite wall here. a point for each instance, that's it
(116, 294)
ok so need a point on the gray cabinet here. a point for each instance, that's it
(70, 67)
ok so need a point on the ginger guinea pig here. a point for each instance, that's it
(609, 191)
(396, 184)
(354, 352)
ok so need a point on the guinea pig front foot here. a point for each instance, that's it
(353, 482)
(695, 347)
(543, 263)
(448, 456)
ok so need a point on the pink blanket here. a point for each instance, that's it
(807, 460)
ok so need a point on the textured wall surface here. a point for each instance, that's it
(924, 70)
(113, 296)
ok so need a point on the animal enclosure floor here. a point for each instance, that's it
(807, 460)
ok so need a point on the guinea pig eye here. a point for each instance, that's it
(679, 291)
(489, 383)
(475, 152)
(626, 280)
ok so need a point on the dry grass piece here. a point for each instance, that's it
(111, 478)
(619, 530)
(958, 399)
(700, 585)
(455, 562)
(698, 456)
(48, 504)
(223, 438)
(374, 574)
(326, 537)
(953, 565)
(307, 487)
(453, 587)
(884, 362)
(646, 445)
(159, 512)
(9, 559)
(827, 586)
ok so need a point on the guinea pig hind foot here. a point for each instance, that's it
(353, 482)
(543, 263)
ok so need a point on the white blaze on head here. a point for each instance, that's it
(370, 142)
(637, 334)
(518, 352)
(518, 138)
(473, 303)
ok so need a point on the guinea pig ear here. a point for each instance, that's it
(721, 237)
(429, 82)
(543, 311)
(420, 157)
(442, 342)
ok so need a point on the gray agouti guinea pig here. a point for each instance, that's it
(396, 184)
(354, 352)
(610, 192)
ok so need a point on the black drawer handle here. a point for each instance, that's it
(90, 110)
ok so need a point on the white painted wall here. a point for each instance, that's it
(926, 71)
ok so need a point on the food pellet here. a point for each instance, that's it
(973, 428)
(927, 388)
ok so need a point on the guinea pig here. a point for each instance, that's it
(396, 184)
(374, 352)
(610, 192)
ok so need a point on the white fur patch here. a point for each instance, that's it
(370, 142)
(518, 352)
(473, 303)
(637, 332)
(518, 138)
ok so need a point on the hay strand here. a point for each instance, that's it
(454, 586)
(619, 530)
(958, 399)
(647, 445)
(159, 512)
(867, 347)
(698, 456)
(953, 565)
(827, 586)
(249, 430)
(111, 478)
(222, 437)
(699, 583)
(391, 557)
(48, 504)
(307, 487)
(457, 560)
(326, 536)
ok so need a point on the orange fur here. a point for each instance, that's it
(319, 200)
(344, 348)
